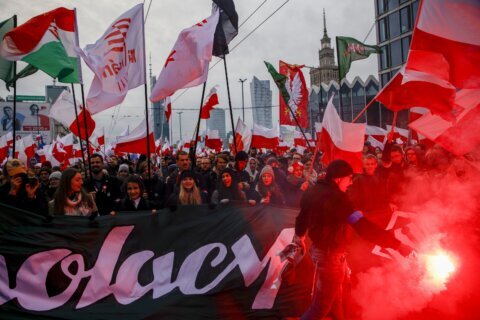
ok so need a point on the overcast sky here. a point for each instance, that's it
(292, 34)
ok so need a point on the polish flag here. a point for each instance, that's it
(459, 137)
(341, 140)
(243, 137)
(136, 141)
(377, 133)
(299, 139)
(187, 64)
(264, 138)
(9, 136)
(3, 148)
(213, 141)
(63, 111)
(282, 147)
(318, 130)
(212, 101)
(25, 148)
(413, 88)
(168, 108)
(437, 34)
(118, 61)
(399, 135)
(166, 148)
(42, 153)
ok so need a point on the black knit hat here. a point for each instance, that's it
(241, 156)
(187, 174)
(338, 169)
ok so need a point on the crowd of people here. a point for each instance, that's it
(117, 184)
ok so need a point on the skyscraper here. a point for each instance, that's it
(327, 71)
(395, 21)
(261, 96)
(159, 118)
(217, 122)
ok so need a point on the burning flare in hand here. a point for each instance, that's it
(439, 267)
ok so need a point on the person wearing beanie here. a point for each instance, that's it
(267, 190)
(296, 184)
(20, 191)
(227, 188)
(187, 191)
(328, 215)
(54, 182)
(243, 178)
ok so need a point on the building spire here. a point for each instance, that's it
(324, 24)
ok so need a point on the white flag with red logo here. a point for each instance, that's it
(212, 101)
(118, 61)
(63, 111)
(187, 64)
(265, 138)
(341, 140)
(136, 140)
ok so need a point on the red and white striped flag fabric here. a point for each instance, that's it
(213, 141)
(63, 111)
(136, 141)
(118, 61)
(415, 114)
(318, 130)
(400, 135)
(25, 148)
(437, 33)
(187, 64)
(264, 138)
(3, 148)
(212, 101)
(458, 137)
(341, 140)
(243, 136)
(168, 108)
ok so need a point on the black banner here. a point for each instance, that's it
(192, 263)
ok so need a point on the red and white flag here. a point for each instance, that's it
(415, 114)
(282, 147)
(25, 148)
(400, 135)
(168, 108)
(136, 141)
(212, 101)
(437, 34)
(9, 136)
(264, 138)
(299, 139)
(213, 141)
(187, 64)
(63, 111)
(341, 140)
(376, 133)
(298, 93)
(243, 137)
(459, 137)
(318, 130)
(118, 61)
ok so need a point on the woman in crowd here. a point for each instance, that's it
(227, 188)
(71, 199)
(252, 170)
(313, 175)
(54, 181)
(187, 192)
(134, 200)
(267, 190)
(297, 184)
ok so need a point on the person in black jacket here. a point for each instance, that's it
(328, 215)
(134, 201)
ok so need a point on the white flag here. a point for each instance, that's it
(187, 64)
(118, 61)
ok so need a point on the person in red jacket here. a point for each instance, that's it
(328, 216)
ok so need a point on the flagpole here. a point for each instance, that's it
(86, 129)
(230, 105)
(298, 125)
(364, 110)
(14, 133)
(339, 80)
(198, 126)
(78, 126)
(146, 98)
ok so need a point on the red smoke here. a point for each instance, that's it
(445, 204)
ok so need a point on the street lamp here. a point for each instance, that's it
(243, 106)
(180, 121)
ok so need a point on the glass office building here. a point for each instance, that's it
(395, 20)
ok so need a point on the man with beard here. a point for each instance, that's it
(105, 189)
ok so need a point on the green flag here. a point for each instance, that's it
(28, 70)
(349, 50)
(6, 66)
(280, 81)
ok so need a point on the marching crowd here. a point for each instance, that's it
(118, 184)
